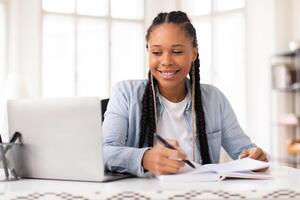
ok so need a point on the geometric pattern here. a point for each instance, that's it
(160, 194)
(50, 195)
(128, 195)
(282, 194)
(207, 194)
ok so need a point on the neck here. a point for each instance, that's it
(175, 94)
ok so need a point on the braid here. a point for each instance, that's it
(147, 123)
(200, 116)
(148, 126)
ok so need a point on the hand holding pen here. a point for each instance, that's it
(166, 144)
(157, 159)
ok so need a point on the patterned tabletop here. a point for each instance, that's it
(189, 195)
(284, 185)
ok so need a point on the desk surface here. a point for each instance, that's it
(284, 185)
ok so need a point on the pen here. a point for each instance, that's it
(15, 136)
(166, 144)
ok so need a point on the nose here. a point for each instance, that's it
(167, 59)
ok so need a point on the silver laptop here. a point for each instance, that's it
(62, 138)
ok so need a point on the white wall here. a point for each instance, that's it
(287, 21)
(296, 20)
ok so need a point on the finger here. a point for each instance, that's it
(262, 157)
(158, 145)
(255, 153)
(175, 154)
(171, 162)
(244, 153)
(165, 165)
(165, 169)
(174, 143)
(163, 158)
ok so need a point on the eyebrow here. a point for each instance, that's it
(174, 45)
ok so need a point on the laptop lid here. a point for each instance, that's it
(62, 138)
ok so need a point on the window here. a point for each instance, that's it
(3, 66)
(88, 45)
(220, 29)
(3, 43)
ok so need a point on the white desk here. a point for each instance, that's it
(285, 185)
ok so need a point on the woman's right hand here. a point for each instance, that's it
(162, 160)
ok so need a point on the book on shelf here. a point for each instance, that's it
(289, 119)
(294, 147)
(241, 168)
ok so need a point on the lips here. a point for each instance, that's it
(168, 74)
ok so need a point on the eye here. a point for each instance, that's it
(177, 52)
(156, 53)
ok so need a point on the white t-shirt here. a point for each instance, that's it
(173, 125)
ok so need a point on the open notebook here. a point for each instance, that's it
(241, 168)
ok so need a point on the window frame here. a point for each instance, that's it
(5, 69)
(76, 16)
(211, 18)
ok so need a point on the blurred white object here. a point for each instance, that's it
(294, 45)
(289, 119)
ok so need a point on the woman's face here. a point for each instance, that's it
(171, 55)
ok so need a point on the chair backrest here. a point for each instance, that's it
(104, 103)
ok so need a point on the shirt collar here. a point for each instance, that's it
(189, 95)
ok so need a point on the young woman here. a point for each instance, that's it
(195, 118)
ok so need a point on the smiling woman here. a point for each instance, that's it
(197, 119)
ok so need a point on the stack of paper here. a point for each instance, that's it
(242, 168)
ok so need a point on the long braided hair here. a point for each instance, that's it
(148, 118)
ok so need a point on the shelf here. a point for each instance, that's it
(294, 148)
(289, 162)
(289, 119)
(285, 72)
(293, 88)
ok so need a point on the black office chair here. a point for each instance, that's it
(104, 103)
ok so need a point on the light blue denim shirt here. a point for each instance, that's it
(121, 126)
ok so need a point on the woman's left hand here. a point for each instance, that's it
(255, 153)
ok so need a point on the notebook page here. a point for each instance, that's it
(240, 165)
(246, 174)
(241, 168)
(245, 164)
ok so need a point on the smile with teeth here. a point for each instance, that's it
(168, 74)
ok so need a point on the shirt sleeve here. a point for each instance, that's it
(234, 140)
(117, 156)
